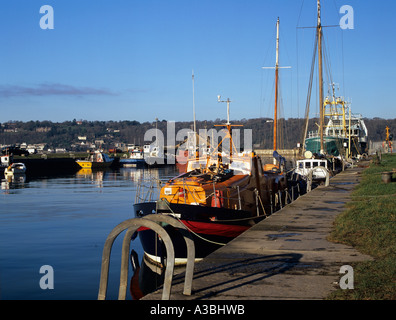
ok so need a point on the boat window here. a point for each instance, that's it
(315, 164)
(301, 165)
(308, 165)
(196, 164)
(240, 167)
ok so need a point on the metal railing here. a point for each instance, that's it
(151, 222)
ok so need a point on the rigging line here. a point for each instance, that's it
(299, 15)
(329, 26)
(282, 134)
(327, 60)
(196, 234)
(342, 63)
(308, 101)
(291, 76)
(269, 52)
(298, 77)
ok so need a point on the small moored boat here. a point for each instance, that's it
(96, 160)
(135, 159)
(15, 168)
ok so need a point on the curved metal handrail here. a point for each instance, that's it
(189, 243)
(132, 225)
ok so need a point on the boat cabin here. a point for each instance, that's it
(305, 166)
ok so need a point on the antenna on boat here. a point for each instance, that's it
(228, 107)
(228, 124)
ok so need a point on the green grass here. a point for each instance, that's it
(369, 225)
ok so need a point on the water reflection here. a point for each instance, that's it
(13, 182)
(63, 221)
(147, 276)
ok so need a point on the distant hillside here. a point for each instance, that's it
(78, 135)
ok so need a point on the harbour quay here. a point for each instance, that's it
(284, 257)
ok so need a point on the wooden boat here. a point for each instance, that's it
(216, 199)
(96, 160)
(222, 194)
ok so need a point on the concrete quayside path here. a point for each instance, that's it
(286, 256)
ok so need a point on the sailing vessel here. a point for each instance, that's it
(344, 135)
(219, 196)
(222, 193)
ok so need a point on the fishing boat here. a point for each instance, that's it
(344, 135)
(221, 194)
(97, 160)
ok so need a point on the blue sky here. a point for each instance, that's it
(133, 59)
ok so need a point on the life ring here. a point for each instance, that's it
(100, 159)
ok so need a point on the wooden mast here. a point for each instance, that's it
(320, 64)
(276, 84)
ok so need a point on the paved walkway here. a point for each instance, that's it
(286, 256)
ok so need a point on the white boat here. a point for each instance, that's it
(317, 166)
(135, 159)
(153, 155)
(15, 168)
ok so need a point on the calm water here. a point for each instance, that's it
(63, 222)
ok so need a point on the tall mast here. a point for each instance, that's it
(276, 84)
(195, 128)
(320, 63)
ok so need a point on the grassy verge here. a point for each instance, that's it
(369, 225)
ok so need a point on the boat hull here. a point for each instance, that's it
(93, 165)
(333, 145)
(210, 227)
(132, 162)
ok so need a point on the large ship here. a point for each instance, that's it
(344, 135)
